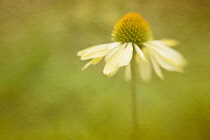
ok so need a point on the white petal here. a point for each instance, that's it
(87, 65)
(156, 68)
(98, 48)
(95, 55)
(113, 72)
(112, 52)
(128, 73)
(113, 62)
(164, 64)
(113, 45)
(92, 49)
(169, 42)
(96, 60)
(127, 55)
(139, 52)
(93, 61)
(145, 70)
(172, 56)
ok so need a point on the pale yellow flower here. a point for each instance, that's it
(133, 40)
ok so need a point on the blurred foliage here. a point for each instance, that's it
(45, 95)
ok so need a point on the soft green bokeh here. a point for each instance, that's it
(44, 95)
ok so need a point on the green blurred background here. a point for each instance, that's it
(44, 95)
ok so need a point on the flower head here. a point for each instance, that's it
(132, 28)
(133, 40)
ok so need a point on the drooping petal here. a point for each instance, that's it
(113, 62)
(94, 55)
(145, 70)
(170, 55)
(93, 62)
(164, 64)
(112, 52)
(113, 72)
(139, 52)
(87, 65)
(96, 51)
(92, 49)
(156, 68)
(96, 60)
(169, 42)
(127, 55)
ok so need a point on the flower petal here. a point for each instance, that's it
(113, 62)
(127, 55)
(93, 61)
(113, 72)
(96, 60)
(170, 55)
(95, 55)
(169, 42)
(96, 51)
(145, 70)
(139, 52)
(156, 68)
(112, 52)
(87, 65)
(92, 49)
(164, 64)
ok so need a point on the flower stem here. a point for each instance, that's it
(134, 101)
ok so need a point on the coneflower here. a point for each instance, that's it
(133, 47)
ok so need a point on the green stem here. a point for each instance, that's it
(134, 100)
